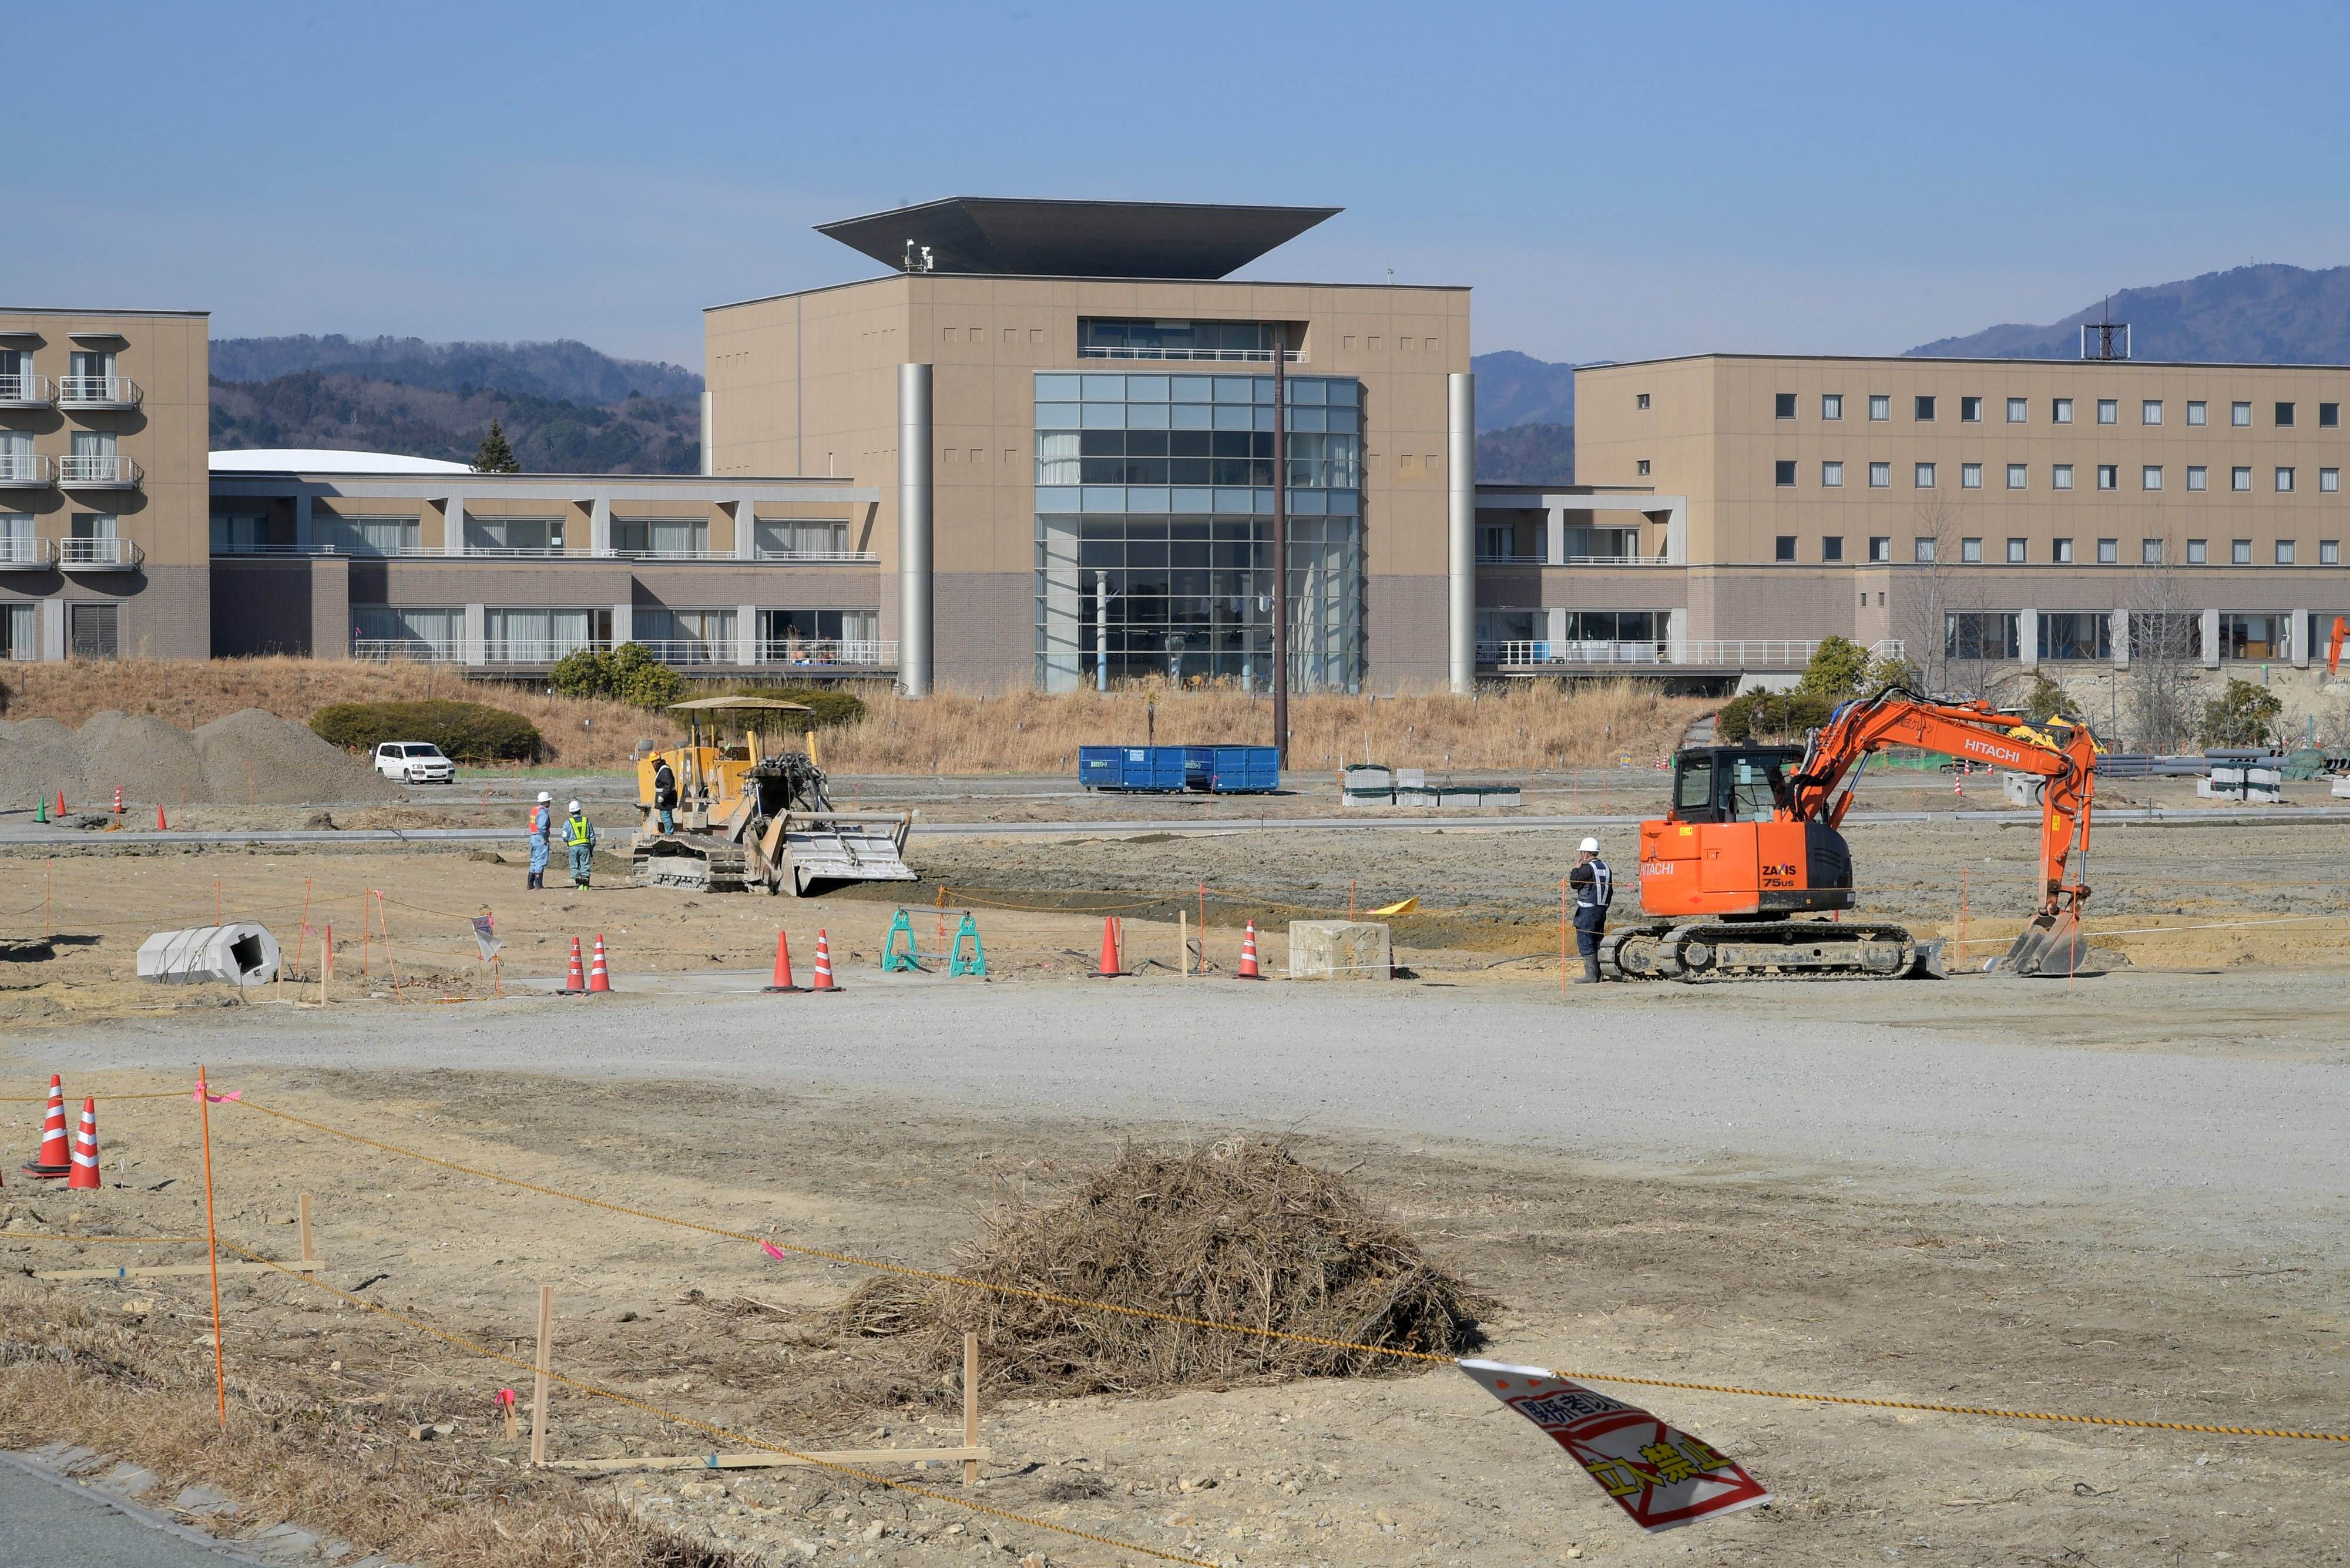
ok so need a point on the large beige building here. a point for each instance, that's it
(1069, 414)
(2011, 511)
(103, 484)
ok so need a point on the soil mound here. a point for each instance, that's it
(150, 758)
(281, 763)
(37, 758)
(1241, 1233)
(248, 756)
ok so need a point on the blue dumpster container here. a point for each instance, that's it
(1130, 768)
(1231, 769)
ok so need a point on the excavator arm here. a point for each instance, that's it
(1821, 791)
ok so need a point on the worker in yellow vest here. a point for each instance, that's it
(579, 837)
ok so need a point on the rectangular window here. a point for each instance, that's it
(2018, 409)
(2253, 636)
(2149, 552)
(2196, 411)
(2195, 553)
(369, 535)
(790, 539)
(1970, 476)
(2109, 552)
(411, 629)
(2239, 479)
(2109, 476)
(2150, 477)
(2284, 416)
(2016, 554)
(1880, 474)
(1924, 549)
(2329, 551)
(2150, 411)
(2060, 410)
(2109, 412)
(2239, 413)
(1783, 472)
(1831, 476)
(2329, 416)
(1832, 548)
(2174, 634)
(1925, 407)
(2329, 479)
(1880, 406)
(1114, 338)
(2240, 552)
(2061, 552)
(828, 637)
(1639, 399)
(1924, 476)
(2283, 480)
(2284, 552)
(1783, 547)
(686, 636)
(514, 536)
(96, 630)
(1981, 634)
(1970, 410)
(1641, 468)
(1783, 406)
(2066, 635)
(1970, 550)
(1880, 546)
(675, 538)
(1832, 405)
(2061, 476)
(2198, 476)
(2015, 476)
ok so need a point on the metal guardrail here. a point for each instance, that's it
(112, 471)
(683, 652)
(1769, 653)
(865, 557)
(98, 392)
(1203, 355)
(28, 469)
(99, 553)
(1533, 560)
(853, 653)
(26, 551)
(27, 390)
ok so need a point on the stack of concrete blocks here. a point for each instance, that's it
(1339, 950)
(2252, 785)
(1365, 785)
(1411, 788)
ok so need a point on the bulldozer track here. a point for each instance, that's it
(1662, 951)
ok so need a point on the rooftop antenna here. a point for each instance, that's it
(2106, 338)
(918, 258)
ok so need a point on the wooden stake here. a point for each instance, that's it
(1562, 939)
(971, 1406)
(302, 1217)
(211, 1243)
(538, 1387)
(1183, 938)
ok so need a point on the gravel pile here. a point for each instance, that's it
(248, 756)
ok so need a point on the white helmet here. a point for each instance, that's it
(574, 805)
(1588, 846)
(544, 798)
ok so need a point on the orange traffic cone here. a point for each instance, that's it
(599, 978)
(61, 803)
(824, 982)
(574, 984)
(56, 1158)
(85, 1154)
(1249, 969)
(118, 800)
(160, 825)
(1110, 968)
(783, 980)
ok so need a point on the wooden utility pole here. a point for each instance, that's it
(1281, 545)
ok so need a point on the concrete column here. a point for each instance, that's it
(1554, 537)
(2119, 634)
(477, 629)
(1461, 476)
(2027, 638)
(706, 468)
(1677, 636)
(303, 526)
(746, 530)
(600, 528)
(1554, 624)
(914, 661)
(454, 544)
(746, 634)
(1677, 536)
(2210, 639)
(2297, 639)
(624, 623)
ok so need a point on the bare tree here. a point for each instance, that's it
(2165, 633)
(1957, 650)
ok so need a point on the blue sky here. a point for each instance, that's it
(1613, 181)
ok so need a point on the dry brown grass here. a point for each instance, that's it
(1239, 1232)
(1529, 725)
(67, 1374)
(1533, 724)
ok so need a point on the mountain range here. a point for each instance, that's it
(2263, 315)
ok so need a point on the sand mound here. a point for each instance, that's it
(1243, 1232)
(248, 756)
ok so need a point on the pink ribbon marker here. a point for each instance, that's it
(770, 1249)
(217, 1099)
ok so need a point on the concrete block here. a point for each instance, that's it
(1411, 778)
(1339, 950)
(2022, 789)
(1382, 795)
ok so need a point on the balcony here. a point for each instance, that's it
(26, 471)
(26, 392)
(811, 652)
(1737, 653)
(98, 392)
(90, 472)
(798, 653)
(99, 554)
(861, 557)
(23, 553)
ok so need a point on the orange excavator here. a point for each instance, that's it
(1751, 846)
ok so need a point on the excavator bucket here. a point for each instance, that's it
(2050, 947)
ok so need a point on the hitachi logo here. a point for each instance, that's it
(1984, 748)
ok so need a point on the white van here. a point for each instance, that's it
(414, 761)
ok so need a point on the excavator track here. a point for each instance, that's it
(701, 862)
(1699, 952)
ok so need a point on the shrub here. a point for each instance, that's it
(2045, 700)
(2243, 715)
(833, 709)
(1836, 669)
(1771, 715)
(628, 673)
(466, 732)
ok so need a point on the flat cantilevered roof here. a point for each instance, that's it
(1029, 238)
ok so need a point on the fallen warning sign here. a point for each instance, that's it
(1658, 1474)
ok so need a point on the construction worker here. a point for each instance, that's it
(1594, 889)
(542, 830)
(579, 837)
(665, 795)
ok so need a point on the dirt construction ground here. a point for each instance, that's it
(2119, 1195)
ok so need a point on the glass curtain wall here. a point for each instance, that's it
(687, 636)
(1154, 530)
(543, 635)
(409, 631)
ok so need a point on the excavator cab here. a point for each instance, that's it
(1732, 784)
(1731, 846)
